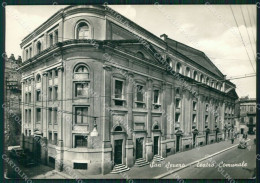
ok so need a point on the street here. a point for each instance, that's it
(232, 156)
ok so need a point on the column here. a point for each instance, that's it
(129, 141)
(44, 90)
(106, 124)
(60, 146)
(22, 113)
(149, 143)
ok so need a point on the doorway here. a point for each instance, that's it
(194, 140)
(118, 152)
(207, 137)
(139, 148)
(156, 144)
(178, 143)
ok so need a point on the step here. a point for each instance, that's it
(141, 162)
(119, 168)
(157, 158)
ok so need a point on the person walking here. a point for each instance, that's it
(232, 137)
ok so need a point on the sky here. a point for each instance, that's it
(210, 28)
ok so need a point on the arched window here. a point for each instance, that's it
(38, 78)
(177, 91)
(39, 47)
(140, 55)
(169, 62)
(216, 85)
(118, 129)
(83, 31)
(156, 127)
(178, 68)
(195, 75)
(202, 78)
(207, 81)
(80, 72)
(188, 71)
(212, 83)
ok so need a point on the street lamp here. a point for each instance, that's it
(94, 132)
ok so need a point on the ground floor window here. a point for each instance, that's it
(82, 166)
(81, 141)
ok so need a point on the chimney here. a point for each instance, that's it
(12, 57)
(164, 36)
(19, 59)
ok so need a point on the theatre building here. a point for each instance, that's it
(102, 94)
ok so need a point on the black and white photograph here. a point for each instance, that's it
(151, 91)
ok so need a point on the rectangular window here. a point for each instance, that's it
(194, 118)
(81, 141)
(81, 89)
(251, 109)
(50, 75)
(38, 95)
(118, 89)
(207, 107)
(50, 137)
(216, 119)
(81, 166)
(206, 119)
(50, 93)
(55, 140)
(56, 73)
(56, 36)
(50, 115)
(194, 105)
(55, 115)
(25, 116)
(27, 55)
(30, 115)
(26, 97)
(29, 132)
(177, 117)
(51, 39)
(56, 93)
(139, 93)
(178, 103)
(30, 52)
(30, 97)
(81, 115)
(38, 114)
(156, 96)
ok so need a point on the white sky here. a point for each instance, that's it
(209, 28)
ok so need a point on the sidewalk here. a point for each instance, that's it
(147, 172)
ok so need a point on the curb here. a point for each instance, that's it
(194, 162)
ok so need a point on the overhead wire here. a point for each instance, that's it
(241, 38)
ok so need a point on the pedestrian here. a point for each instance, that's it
(232, 137)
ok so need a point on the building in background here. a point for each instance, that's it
(104, 94)
(247, 115)
(12, 104)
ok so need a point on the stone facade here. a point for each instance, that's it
(12, 103)
(89, 71)
(247, 115)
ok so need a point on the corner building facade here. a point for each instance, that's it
(102, 89)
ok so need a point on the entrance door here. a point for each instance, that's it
(178, 144)
(207, 137)
(155, 146)
(118, 151)
(194, 140)
(216, 138)
(139, 148)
